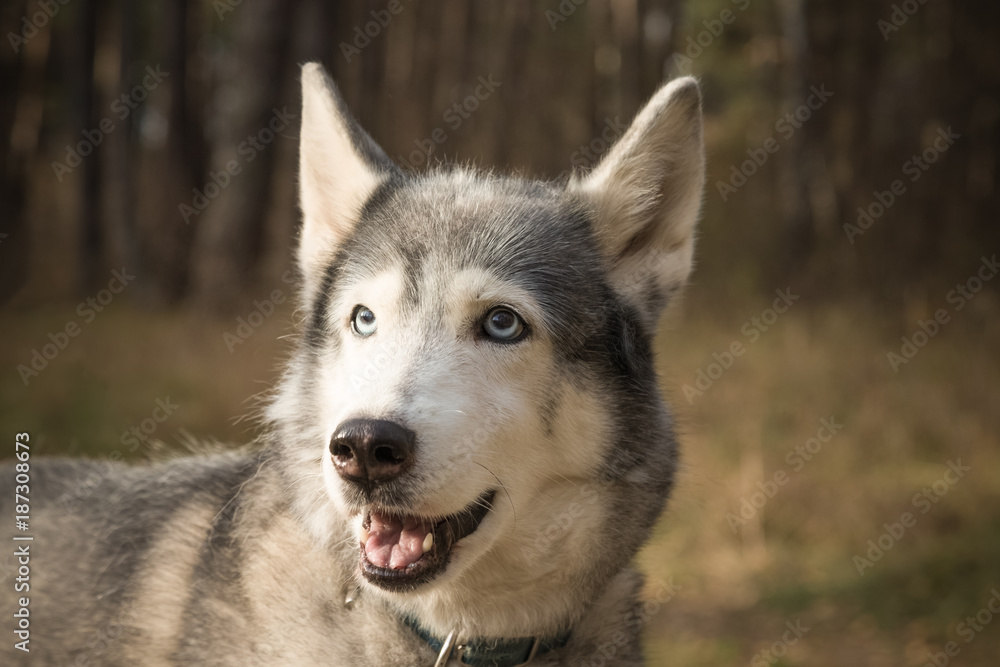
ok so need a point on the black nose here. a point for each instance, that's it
(371, 450)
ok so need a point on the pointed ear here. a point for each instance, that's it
(646, 196)
(340, 166)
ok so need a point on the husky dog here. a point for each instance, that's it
(462, 458)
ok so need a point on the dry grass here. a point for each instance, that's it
(792, 561)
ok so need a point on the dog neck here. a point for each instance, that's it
(496, 652)
(609, 617)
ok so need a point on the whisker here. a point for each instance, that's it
(302, 477)
(506, 492)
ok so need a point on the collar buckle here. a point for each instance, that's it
(447, 649)
(534, 650)
(451, 649)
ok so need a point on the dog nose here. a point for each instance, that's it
(371, 450)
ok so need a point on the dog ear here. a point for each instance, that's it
(646, 195)
(340, 166)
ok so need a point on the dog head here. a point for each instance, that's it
(474, 396)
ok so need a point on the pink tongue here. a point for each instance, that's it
(394, 542)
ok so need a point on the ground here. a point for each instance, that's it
(729, 578)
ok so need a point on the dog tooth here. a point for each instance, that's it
(364, 535)
(428, 542)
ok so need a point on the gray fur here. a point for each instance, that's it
(243, 558)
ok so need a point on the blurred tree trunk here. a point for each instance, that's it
(170, 160)
(91, 236)
(657, 25)
(626, 25)
(22, 74)
(561, 80)
(515, 25)
(794, 158)
(858, 136)
(251, 78)
(185, 152)
(122, 147)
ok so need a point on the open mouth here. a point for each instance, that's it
(399, 553)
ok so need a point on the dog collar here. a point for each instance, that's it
(481, 652)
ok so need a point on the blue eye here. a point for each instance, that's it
(363, 321)
(503, 325)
